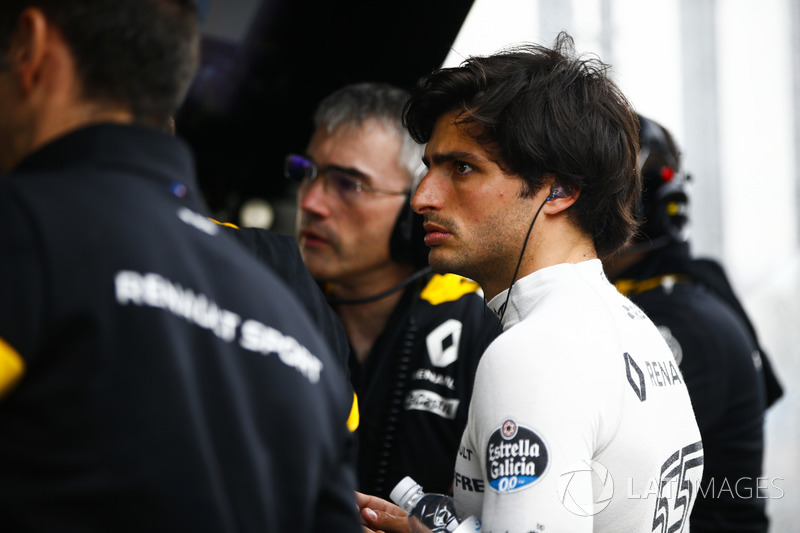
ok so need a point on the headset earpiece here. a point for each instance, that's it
(557, 191)
(407, 243)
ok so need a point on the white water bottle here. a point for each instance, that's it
(435, 512)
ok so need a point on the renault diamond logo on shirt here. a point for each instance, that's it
(637, 380)
(443, 343)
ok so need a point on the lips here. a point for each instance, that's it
(435, 234)
(309, 237)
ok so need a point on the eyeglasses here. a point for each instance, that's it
(345, 182)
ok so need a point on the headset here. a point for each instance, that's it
(556, 191)
(407, 246)
(407, 242)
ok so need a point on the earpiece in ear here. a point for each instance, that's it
(557, 191)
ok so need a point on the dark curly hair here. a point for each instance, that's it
(540, 111)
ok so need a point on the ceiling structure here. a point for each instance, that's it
(252, 100)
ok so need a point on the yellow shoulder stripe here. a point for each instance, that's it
(632, 287)
(12, 367)
(234, 226)
(353, 419)
(447, 288)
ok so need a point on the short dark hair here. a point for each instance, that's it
(540, 111)
(138, 53)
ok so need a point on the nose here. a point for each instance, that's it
(426, 197)
(312, 196)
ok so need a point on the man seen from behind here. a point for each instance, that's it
(153, 376)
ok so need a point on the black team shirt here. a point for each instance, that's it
(171, 383)
(729, 377)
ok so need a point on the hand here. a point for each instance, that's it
(380, 516)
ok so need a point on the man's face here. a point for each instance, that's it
(475, 219)
(344, 238)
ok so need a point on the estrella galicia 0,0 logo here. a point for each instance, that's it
(515, 457)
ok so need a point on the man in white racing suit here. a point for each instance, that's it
(580, 420)
(588, 430)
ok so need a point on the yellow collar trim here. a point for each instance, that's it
(629, 287)
(12, 367)
(447, 288)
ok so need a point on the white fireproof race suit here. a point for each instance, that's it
(580, 420)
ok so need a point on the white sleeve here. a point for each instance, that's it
(535, 422)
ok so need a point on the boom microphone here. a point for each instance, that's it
(366, 299)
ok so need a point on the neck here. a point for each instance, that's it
(556, 241)
(51, 126)
(364, 322)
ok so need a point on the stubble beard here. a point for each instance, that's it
(475, 263)
(486, 260)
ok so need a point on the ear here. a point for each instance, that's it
(29, 44)
(559, 196)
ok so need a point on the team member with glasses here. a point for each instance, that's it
(416, 336)
(345, 182)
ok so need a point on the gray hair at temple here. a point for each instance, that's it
(357, 103)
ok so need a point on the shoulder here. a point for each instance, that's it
(281, 255)
(451, 296)
(442, 288)
(566, 392)
(279, 252)
(454, 302)
(698, 318)
(265, 244)
(32, 196)
(13, 206)
(565, 344)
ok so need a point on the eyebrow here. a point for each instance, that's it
(350, 171)
(447, 157)
(347, 170)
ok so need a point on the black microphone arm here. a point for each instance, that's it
(410, 279)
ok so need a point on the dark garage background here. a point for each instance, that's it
(265, 65)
